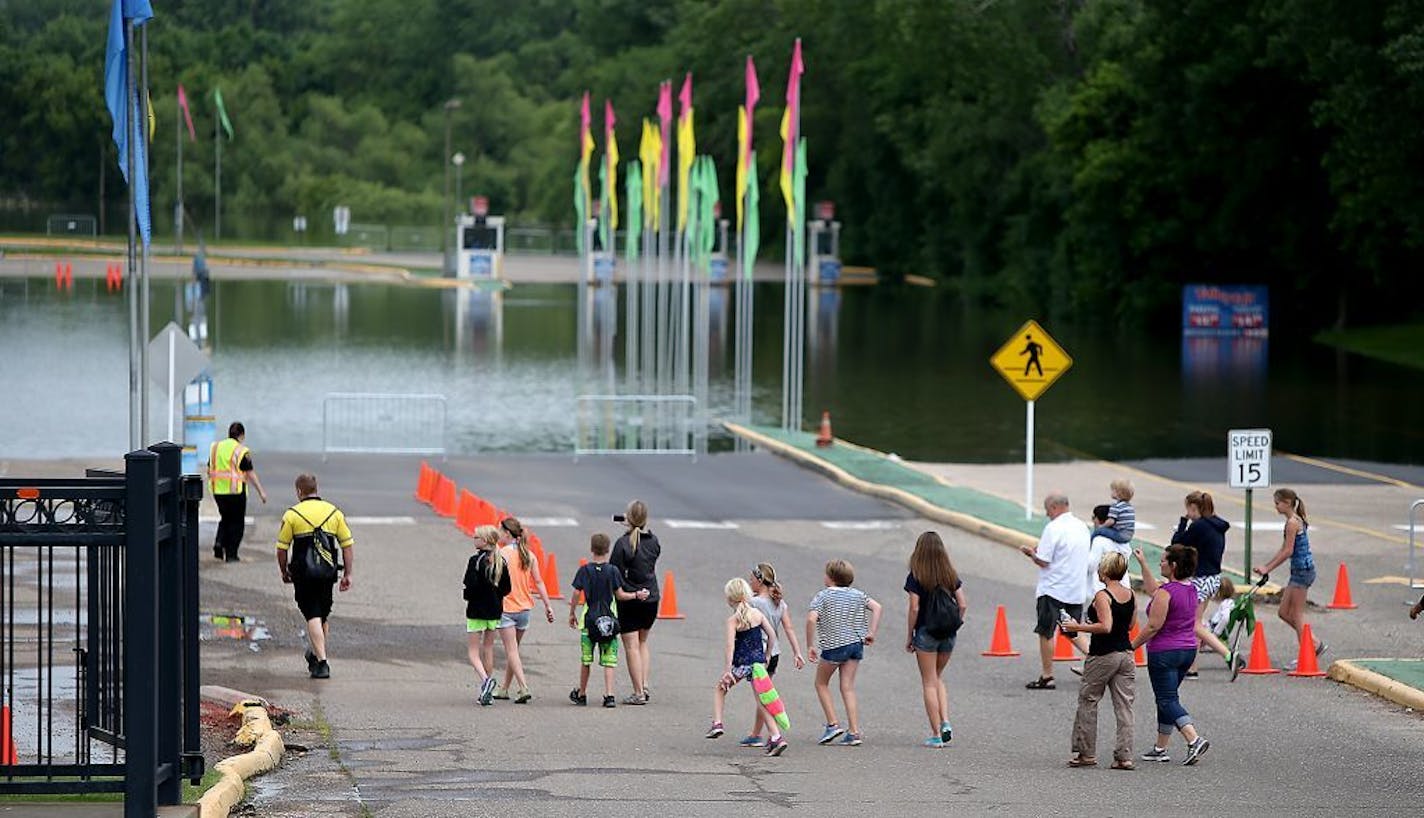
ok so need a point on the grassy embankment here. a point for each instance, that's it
(1401, 344)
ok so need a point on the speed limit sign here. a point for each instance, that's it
(1249, 462)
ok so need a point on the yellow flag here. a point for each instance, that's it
(788, 161)
(152, 120)
(612, 150)
(686, 151)
(648, 153)
(741, 163)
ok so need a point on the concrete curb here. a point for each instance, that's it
(919, 505)
(1347, 672)
(266, 753)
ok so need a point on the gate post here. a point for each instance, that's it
(169, 598)
(140, 634)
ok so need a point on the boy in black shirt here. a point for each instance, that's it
(602, 586)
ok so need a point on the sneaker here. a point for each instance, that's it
(487, 691)
(501, 693)
(321, 670)
(311, 660)
(523, 697)
(1192, 674)
(933, 741)
(233, 558)
(1195, 751)
(833, 732)
(1156, 755)
(578, 698)
(850, 740)
(635, 699)
(716, 730)
(1321, 648)
(609, 701)
(776, 746)
(752, 741)
(945, 733)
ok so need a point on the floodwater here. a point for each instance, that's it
(904, 370)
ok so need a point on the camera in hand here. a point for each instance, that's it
(619, 518)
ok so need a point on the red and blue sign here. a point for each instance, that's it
(1225, 311)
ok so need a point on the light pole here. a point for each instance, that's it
(459, 160)
(445, 226)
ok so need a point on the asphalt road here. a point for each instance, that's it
(408, 739)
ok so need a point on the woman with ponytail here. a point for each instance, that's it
(523, 576)
(486, 584)
(635, 555)
(1295, 546)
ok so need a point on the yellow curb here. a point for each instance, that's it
(266, 753)
(1348, 672)
(921, 506)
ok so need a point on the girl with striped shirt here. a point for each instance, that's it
(836, 635)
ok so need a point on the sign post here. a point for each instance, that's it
(1248, 467)
(1030, 361)
(180, 361)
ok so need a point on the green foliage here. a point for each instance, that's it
(1065, 156)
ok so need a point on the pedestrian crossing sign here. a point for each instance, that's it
(1031, 360)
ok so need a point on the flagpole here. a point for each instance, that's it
(135, 434)
(178, 209)
(143, 293)
(217, 179)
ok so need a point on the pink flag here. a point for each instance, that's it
(685, 96)
(791, 131)
(608, 119)
(187, 117)
(585, 121)
(753, 94)
(665, 123)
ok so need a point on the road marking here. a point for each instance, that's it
(381, 520)
(245, 520)
(1146, 526)
(1388, 580)
(711, 524)
(859, 525)
(1368, 475)
(549, 522)
(1273, 525)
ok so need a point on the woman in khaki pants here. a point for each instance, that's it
(1108, 666)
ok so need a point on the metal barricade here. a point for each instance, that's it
(1415, 581)
(370, 423)
(99, 619)
(636, 424)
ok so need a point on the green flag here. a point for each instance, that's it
(580, 209)
(605, 221)
(633, 184)
(707, 222)
(799, 183)
(751, 229)
(222, 112)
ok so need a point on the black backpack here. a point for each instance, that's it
(315, 554)
(599, 621)
(942, 615)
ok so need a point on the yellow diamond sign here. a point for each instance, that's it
(1031, 360)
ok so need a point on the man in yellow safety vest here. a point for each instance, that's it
(229, 469)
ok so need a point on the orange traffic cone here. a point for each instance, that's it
(1063, 649)
(7, 741)
(465, 512)
(1306, 665)
(999, 644)
(1260, 663)
(667, 609)
(69, 274)
(425, 484)
(1139, 656)
(1342, 590)
(445, 497)
(536, 546)
(551, 578)
(578, 595)
(824, 439)
(59, 275)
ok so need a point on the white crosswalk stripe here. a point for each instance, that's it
(860, 525)
(549, 522)
(711, 524)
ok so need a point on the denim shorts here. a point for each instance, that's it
(518, 619)
(1302, 579)
(853, 652)
(925, 643)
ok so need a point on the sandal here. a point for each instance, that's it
(1123, 765)
(1080, 761)
(1042, 683)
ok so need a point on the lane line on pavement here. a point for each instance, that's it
(708, 524)
(1368, 475)
(860, 525)
(549, 522)
(381, 520)
(215, 520)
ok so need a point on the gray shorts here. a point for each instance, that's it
(1048, 609)
(518, 620)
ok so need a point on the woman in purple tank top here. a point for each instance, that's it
(1170, 637)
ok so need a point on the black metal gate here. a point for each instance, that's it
(99, 619)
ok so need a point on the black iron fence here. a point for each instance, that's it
(99, 620)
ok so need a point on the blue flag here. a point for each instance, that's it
(128, 131)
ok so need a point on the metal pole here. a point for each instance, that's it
(178, 208)
(217, 181)
(135, 383)
(1248, 535)
(445, 200)
(787, 330)
(143, 292)
(1028, 463)
(171, 398)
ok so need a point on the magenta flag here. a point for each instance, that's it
(665, 125)
(187, 116)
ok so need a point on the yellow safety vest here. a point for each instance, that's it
(223, 460)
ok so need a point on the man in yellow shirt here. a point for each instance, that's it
(312, 569)
(229, 470)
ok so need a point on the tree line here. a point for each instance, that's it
(1083, 156)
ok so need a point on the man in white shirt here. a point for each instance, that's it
(1062, 560)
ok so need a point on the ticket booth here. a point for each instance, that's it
(479, 238)
(823, 240)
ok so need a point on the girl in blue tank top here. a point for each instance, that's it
(1295, 546)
